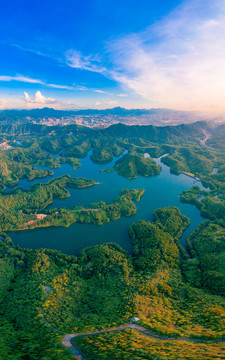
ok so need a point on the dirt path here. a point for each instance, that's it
(103, 207)
(47, 289)
(82, 210)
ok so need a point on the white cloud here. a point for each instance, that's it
(30, 50)
(63, 87)
(178, 62)
(91, 63)
(100, 91)
(26, 79)
(27, 97)
(38, 99)
(122, 95)
(21, 78)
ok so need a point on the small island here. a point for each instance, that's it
(133, 164)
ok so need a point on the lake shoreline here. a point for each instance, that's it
(160, 191)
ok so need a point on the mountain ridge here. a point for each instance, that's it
(112, 111)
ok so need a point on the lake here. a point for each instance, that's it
(160, 191)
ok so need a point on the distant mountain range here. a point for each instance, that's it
(114, 111)
(155, 116)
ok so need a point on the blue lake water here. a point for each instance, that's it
(160, 191)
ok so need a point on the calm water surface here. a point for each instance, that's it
(160, 191)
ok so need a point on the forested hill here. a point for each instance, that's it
(45, 294)
(29, 128)
(167, 134)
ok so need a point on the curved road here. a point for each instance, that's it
(207, 136)
(77, 353)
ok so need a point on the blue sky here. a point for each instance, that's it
(100, 54)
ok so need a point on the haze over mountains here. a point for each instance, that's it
(107, 117)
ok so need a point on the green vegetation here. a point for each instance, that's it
(110, 287)
(56, 162)
(79, 151)
(104, 152)
(75, 142)
(153, 247)
(217, 139)
(211, 206)
(101, 155)
(191, 159)
(101, 213)
(171, 220)
(103, 287)
(132, 165)
(132, 345)
(18, 163)
(21, 207)
(153, 135)
(23, 334)
(18, 208)
(207, 268)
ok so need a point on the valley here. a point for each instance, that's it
(112, 234)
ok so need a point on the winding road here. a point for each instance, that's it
(77, 353)
(207, 136)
